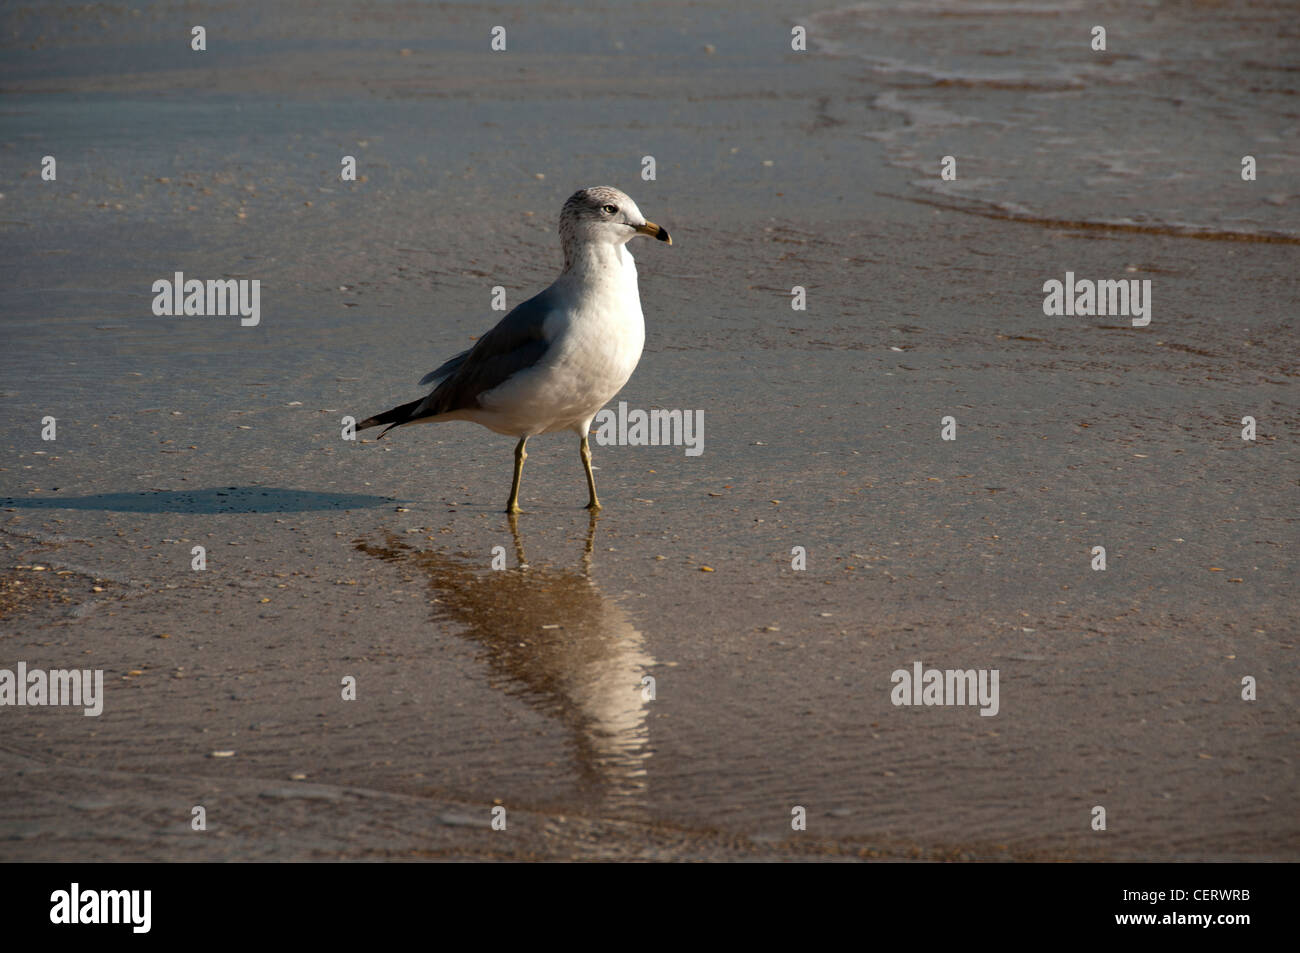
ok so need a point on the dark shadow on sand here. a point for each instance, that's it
(228, 499)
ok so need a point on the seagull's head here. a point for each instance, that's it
(604, 214)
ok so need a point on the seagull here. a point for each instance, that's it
(555, 360)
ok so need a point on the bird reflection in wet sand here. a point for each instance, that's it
(566, 648)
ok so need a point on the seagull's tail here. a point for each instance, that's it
(399, 415)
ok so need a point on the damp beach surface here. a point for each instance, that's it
(660, 683)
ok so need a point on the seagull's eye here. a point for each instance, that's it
(611, 209)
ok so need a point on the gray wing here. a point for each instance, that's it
(444, 369)
(515, 344)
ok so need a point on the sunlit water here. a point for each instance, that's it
(1149, 133)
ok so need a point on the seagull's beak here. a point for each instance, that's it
(654, 231)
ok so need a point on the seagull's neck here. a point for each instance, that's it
(598, 262)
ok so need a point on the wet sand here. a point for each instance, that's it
(523, 687)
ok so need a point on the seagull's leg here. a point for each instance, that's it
(585, 450)
(520, 456)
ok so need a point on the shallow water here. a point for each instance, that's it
(1150, 132)
(372, 559)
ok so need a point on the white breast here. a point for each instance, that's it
(595, 345)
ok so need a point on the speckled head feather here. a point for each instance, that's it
(602, 213)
